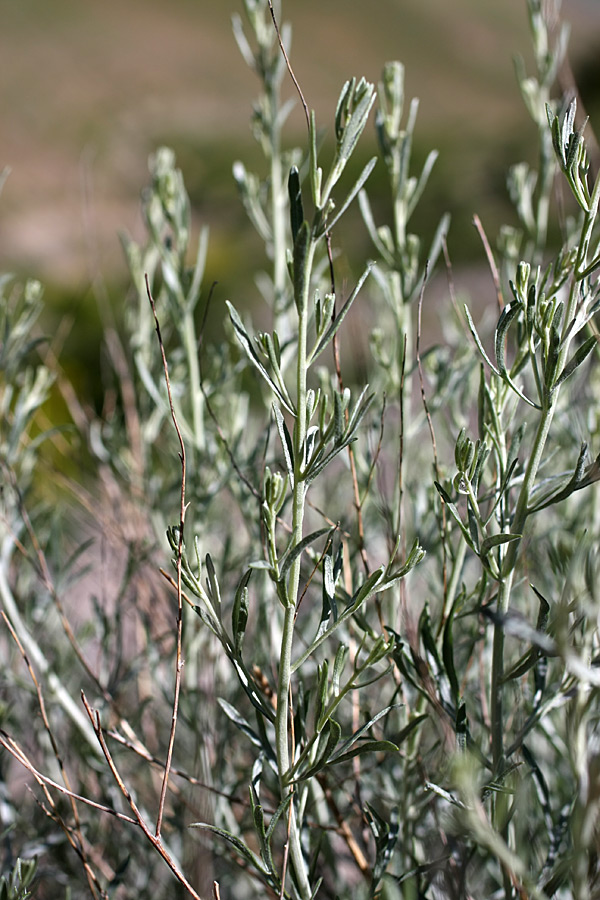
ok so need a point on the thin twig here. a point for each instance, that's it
(92, 881)
(179, 661)
(355, 488)
(338, 372)
(491, 261)
(286, 851)
(315, 569)
(452, 291)
(16, 751)
(289, 66)
(43, 572)
(344, 828)
(70, 833)
(398, 528)
(255, 493)
(144, 753)
(430, 423)
(154, 839)
(421, 376)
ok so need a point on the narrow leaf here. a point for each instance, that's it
(239, 613)
(448, 650)
(291, 555)
(295, 195)
(277, 815)
(363, 729)
(477, 340)
(338, 667)
(246, 343)
(576, 360)
(213, 585)
(333, 328)
(495, 540)
(422, 182)
(286, 442)
(362, 178)
(241, 723)
(509, 313)
(333, 731)
(367, 214)
(408, 729)
(208, 620)
(366, 747)
(365, 591)
(238, 844)
(300, 252)
(455, 514)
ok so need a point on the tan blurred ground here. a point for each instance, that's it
(88, 89)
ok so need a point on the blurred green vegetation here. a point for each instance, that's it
(110, 83)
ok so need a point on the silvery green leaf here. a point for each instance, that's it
(247, 345)
(419, 186)
(347, 744)
(239, 846)
(496, 540)
(507, 316)
(213, 585)
(301, 245)
(376, 234)
(334, 327)
(576, 360)
(260, 831)
(360, 181)
(240, 722)
(338, 667)
(363, 98)
(366, 747)
(242, 41)
(330, 736)
(455, 514)
(286, 442)
(363, 593)
(199, 266)
(295, 196)
(239, 613)
(294, 552)
(477, 340)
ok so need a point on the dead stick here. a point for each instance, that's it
(179, 662)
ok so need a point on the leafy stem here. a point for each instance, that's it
(282, 721)
(523, 507)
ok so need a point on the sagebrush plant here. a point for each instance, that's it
(372, 668)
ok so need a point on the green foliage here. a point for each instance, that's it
(372, 669)
(15, 885)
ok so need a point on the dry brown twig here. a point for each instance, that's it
(17, 752)
(152, 837)
(77, 841)
(491, 261)
(353, 474)
(431, 430)
(289, 65)
(182, 509)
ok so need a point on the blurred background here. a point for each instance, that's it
(88, 90)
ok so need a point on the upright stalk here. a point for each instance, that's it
(197, 397)
(278, 212)
(505, 586)
(549, 402)
(282, 723)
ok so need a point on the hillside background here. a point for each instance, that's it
(89, 90)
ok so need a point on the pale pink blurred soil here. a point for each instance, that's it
(86, 91)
